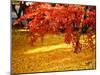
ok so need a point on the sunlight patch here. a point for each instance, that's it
(49, 48)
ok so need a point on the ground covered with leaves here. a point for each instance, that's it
(50, 55)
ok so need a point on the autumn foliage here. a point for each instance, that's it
(72, 20)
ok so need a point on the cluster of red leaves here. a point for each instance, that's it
(51, 18)
(48, 18)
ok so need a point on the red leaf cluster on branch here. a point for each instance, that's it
(51, 18)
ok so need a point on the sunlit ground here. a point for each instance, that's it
(51, 55)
